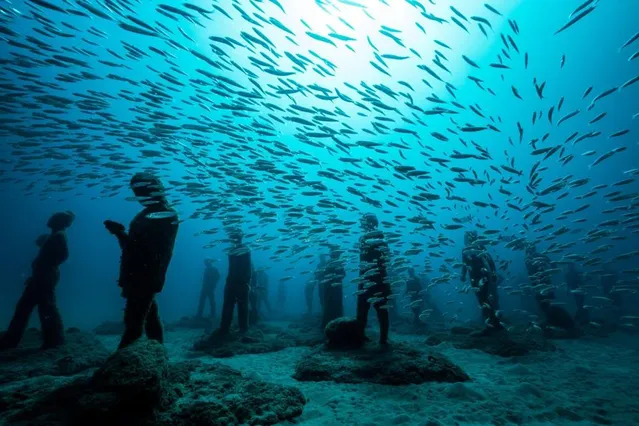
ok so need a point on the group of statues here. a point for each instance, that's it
(147, 249)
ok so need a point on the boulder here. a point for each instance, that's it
(255, 341)
(137, 373)
(193, 323)
(343, 333)
(399, 364)
(516, 342)
(110, 328)
(223, 396)
(80, 352)
(137, 386)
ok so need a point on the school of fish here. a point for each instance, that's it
(256, 128)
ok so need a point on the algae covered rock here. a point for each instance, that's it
(137, 373)
(81, 351)
(399, 364)
(255, 341)
(109, 328)
(343, 333)
(517, 342)
(193, 323)
(220, 395)
(138, 386)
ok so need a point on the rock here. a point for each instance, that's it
(500, 342)
(233, 399)
(136, 373)
(527, 390)
(109, 328)
(461, 330)
(343, 333)
(306, 334)
(137, 386)
(433, 341)
(398, 364)
(462, 392)
(80, 352)
(257, 340)
(431, 422)
(193, 323)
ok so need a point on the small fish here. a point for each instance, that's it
(492, 9)
(161, 215)
(516, 93)
(619, 133)
(568, 116)
(597, 118)
(576, 19)
(470, 62)
(630, 41)
(629, 82)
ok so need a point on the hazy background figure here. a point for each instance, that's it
(374, 287)
(413, 291)
(333, 290)
(209, 284)
(263, 286)
(282, 295)
(574, 283)
(258, 295)
(147, 250)
(537, 265)
(613, 313)
(315, 282)
(40, 287)
(238, 282)
(481, 269)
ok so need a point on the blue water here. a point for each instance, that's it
(61, 176)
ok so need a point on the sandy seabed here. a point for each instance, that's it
(592, 381)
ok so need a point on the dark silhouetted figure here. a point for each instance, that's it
(258, 295)
(40, 288)
(556, 317)
(373, 277)
(281, 295)
(537, 266)
(574, 283)
(479, 265)
(147, 250)
(238, 283)
(209, 284)
(608, 283)
(413, 290)
(333, 292)
(317, 281)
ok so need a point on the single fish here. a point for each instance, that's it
(576, 19)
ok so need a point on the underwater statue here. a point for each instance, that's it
(282, 294)
(555, 317)
(480, 267)
(574, 282)
(238, 283)
(317, 281)
(147, 250)
(609, 281)
(258, 295)
(40, 287)
(209, 284)
(413, 290)
(332, 284)
(538, 265)
(374, 287)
